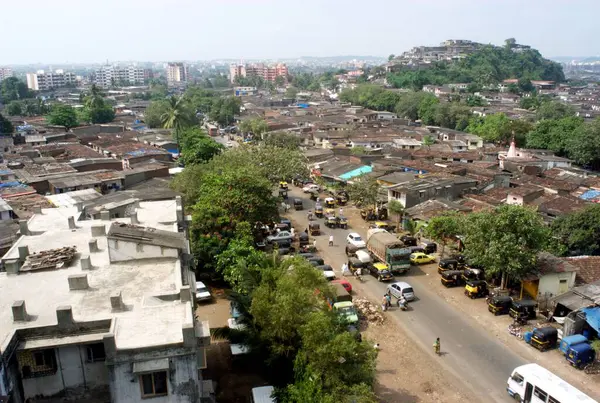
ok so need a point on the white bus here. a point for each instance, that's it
(531, 383)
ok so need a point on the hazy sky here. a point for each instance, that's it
(156, 30)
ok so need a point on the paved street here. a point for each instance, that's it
(469, 352)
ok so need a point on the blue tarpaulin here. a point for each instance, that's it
(592, 317)
(12, 185)
(365, 169)
(303, 105)
(590, 195)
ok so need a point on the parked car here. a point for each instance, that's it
(311, 187)
(280, 236)
(345, 283)
(202, 293)
(356, 240)
(420, 258)
(401, 289)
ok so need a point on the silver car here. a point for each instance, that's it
(280, 236)
(401, 289)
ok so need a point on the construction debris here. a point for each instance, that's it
(368, 311)
(50, 259)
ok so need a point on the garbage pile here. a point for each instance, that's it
(368, 311)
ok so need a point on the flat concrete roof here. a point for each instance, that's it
(154, 315)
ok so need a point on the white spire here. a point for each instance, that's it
(512, 150)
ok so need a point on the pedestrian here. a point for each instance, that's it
(384, 303)
(278, 230)
(330, 240)
(341, 211)
(292, 231)
(345, 270)
(389, 299)
(315, 245)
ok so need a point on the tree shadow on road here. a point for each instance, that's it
(387, 395)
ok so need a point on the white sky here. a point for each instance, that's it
(58, 31)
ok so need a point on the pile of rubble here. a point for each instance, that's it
(50, 259)
(368, 311)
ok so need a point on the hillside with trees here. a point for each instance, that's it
(488, 65)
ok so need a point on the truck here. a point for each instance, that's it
(388, 249)
(341, 304)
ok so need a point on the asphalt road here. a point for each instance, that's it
(469, 352)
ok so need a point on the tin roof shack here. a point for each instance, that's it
(102, 180)
(129, 149)
(553, 276)
(415, 192)
(102, 310)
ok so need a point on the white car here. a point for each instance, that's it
(400, 288)
(356, 240)
(202, 293)
(311, 187)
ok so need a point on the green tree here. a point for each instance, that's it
(279, 81)
(583, 146)
(505, 241)
(408, 105)
(363, 191)
(63, 115)
(14, 108)
(256, 126)
(359, 150)
(94, 99)
(554, 110)
(396, 208)
(578, 233)
(197, 147)
(554, 134)
(499, 128)
(154, 112)
(5, 126)
(428, 140)
(282, 140)
(413, 226)
(223, 110)
(475, 100)
(177, 117)
(291, 92)
(13, 89)
(525, 85)
(443, 228)
(391, 57)
(427, 109)
(530, 103)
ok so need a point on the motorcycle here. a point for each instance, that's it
(307, 249)
(515, 330)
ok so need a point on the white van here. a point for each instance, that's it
(263, 395)
(364, 256)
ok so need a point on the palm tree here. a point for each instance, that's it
(94, 99)
(42, 108)
(413, 226)
(177, 117)
(397, 208)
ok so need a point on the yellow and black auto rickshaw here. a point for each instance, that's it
(476, 289)
(381, 271)
(283, 185)
(314, 195)
(329, 211)
(544, 338)
(283, 193)
(452, 278)
(341, 197)
(354, 263)
(500, 304)
(342, 222)
(330, 202)
(448, 264)
(331, 221)
(314, 228)
(523, 309)
(319, 210)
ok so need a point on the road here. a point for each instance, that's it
(469, 352)
(225, 141)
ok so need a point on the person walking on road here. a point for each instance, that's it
(341, 211)
(315, 245)
(345, 270)
(330, 240)
(436, 346)
(384, 302)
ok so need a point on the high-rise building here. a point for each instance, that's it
(107, 76)
(42, 81)
(5, 72)
(268, 73)
(177, 72)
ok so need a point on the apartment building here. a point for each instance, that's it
(5, 72)
(42, 81)
(177, 72)
(268, 73)
(107, 76)
(102, 309)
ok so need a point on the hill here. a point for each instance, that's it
(488, 64)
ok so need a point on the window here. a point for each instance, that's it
(518, 378)
(540, 394)
(95, 352)
(38, 363)
(154, 384)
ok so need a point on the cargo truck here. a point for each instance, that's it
(388, 249)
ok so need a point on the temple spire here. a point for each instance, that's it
(512, 150)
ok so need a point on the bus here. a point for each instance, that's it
(531, 383)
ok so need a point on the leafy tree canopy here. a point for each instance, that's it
(578, 233)
(12, 89)
(153, 113)
(282, 140)
(554, 110)
(363, 191)
(197, 147)
(499, 128)
(5, 125)
(63, 115)
(553, 134)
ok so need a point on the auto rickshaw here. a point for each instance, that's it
(523, 309)
(381, 271)
(329, 212)
(355, 263)
(500, 304)
(314, 228)
(283, 185)
(331, 221)
(283, 194)
(351, 249)
(580, 355)
(303, 239)
(298, 204)
(342, 222)
(473, 274)
(476, 289)
(319, 210)
(341, 198)
(330, 202)
(544, 338)
(382, 225)
(448, 264)
(452, 278)
(314, 195)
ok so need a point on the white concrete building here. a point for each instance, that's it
(177, 72)
(107, 76)
(5, 72)
(102, 310)
(42, 81)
